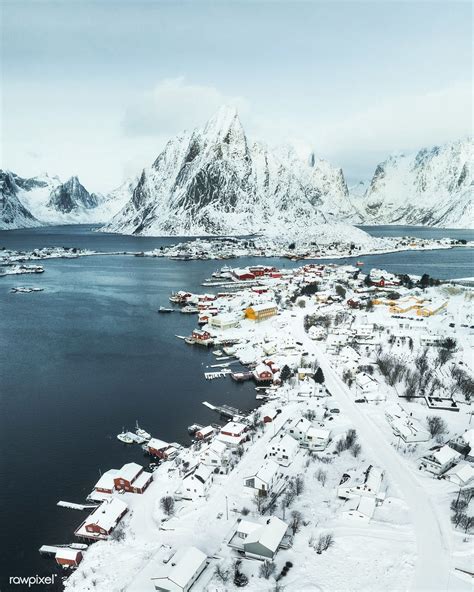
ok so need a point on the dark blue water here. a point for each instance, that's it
(90, 355)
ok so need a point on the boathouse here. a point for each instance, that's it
(132, 478)
(157, 448)
(68, 557)
(103, 520)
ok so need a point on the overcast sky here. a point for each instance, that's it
(96, 88)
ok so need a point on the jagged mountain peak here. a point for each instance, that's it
(72, 196)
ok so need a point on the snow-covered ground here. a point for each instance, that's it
(408, 543)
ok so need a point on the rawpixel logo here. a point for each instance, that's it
(32, 580)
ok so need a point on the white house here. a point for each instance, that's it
(361, 508)
(309, 436)
(224, 321)
(316, 439)
(215, 454)
(440, 461)
(182, 571)
(461, 475)
(405, 426)
(283, 449)
(233, 434)
(370, 485)
(197, 483)
(306, 388)
(260, 541)
(264, 480)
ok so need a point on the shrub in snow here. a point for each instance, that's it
(167, 505)
(266, 569)
(299, 485)
(325, 541)
(356, 448)
(245, 511)
(321, 476)
(118, 534)
(319, 376)
(221, 573)
(240, 579)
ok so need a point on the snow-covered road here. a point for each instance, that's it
(433, 570)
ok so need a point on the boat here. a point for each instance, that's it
(190, 310)
(195, 427)
(142, 433)
(164, 309)
(189, 340)
(125, 437)
(360, 263)
(218, 353)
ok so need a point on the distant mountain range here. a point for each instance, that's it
(215, 181)
(45, 200)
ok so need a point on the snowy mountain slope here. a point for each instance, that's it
(432, 187)
(214, 181)
(13, 213)
(53, 202)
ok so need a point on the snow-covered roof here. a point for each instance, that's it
(218, 447)
(67, 553)
(445, 455)
(107, 480)
(287, 443)
(157, 444)
(107, 514)
(468, 437)
(142, 480)
(264, 306)
(181, 569)
(129, 471)
(268, 535)
(463, 473)
(266, 472)
(234, 427)
(318, 433)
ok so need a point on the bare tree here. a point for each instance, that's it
(321, 476)
(167, 505)
(266, 569)
(221, 573)
(356, 448)
(299, 485)
(325, 541)
(296, 520)
(436, 425)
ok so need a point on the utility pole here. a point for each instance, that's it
(227, 508)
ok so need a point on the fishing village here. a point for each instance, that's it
(359, 379)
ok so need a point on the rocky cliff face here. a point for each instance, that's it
(72, 196)
(13, 213)
(214, 181)
(432, 187)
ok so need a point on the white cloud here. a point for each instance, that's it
(173, 106)
(406, 122)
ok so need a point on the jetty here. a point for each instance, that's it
(53, 549)
(224, 410)
(73, 506)
(221, 374)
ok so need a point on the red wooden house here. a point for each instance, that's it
(132, 478)
(68, 557)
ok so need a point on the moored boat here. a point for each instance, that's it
(125, 437)
(141, 433)
(164, 309)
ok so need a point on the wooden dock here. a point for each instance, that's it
(223, 410)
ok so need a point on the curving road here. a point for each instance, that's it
(433, 563)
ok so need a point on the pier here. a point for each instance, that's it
(221, 374)
(224, 410)
(73, 506)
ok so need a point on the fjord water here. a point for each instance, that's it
(90, 355)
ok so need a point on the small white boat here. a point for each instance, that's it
(142, 433)
(190, 310)
(164, 309)
(125, 437)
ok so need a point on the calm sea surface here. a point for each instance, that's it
(90, 355)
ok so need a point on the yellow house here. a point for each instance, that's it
(430, 310)
(260, 312)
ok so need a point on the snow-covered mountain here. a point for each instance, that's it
(13, 213)
(214, 181)
(433, 187)
(46, 200)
